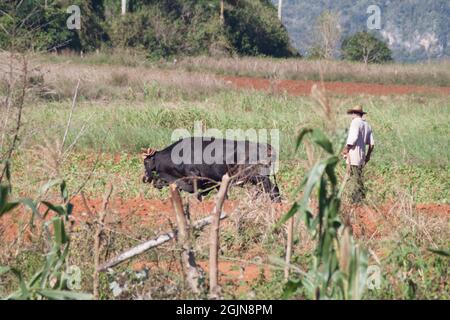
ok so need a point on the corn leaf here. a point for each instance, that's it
(63, 295)
(56, 208)
(293, 210)
(300, 137)
(319, 138)
(440, 252)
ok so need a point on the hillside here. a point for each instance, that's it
(162, 28)
(415, 29)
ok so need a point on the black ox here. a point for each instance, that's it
(197, 165)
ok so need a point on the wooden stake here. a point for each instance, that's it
(214, 289)
(290, 238)
(187, 255)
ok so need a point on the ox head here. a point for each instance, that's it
(148, 155)
(151, 174)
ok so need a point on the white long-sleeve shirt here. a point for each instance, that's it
(359, 135)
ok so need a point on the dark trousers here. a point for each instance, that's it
(357, 190)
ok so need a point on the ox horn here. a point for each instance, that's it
(147, 152)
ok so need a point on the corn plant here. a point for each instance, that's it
(51, 280)
(338, 267)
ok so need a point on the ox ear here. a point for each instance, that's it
(147, 152)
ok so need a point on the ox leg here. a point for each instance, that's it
(191, 188)
(271, 189)
(274, 192)
(185, 186)
(197, 192)
(268, 187)
(205, 187)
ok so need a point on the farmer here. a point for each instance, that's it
(359, 135)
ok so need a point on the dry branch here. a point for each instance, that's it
(149, 244)
(97, 240)
(214, 289)
(69, 121)
(20, 105)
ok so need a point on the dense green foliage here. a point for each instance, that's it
(41, 25)
(365, 47)
(28, 25)
(253, 29)
(161, 28)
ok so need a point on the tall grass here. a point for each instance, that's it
(115, 56)
(56, 81)
(435, 73)
(429, 74)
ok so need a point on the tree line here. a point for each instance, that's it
(164, 28)
(160, 27)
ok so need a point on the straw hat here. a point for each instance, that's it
(356, 109)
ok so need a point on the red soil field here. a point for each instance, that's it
(299, 87)
(155, 214)
(127, 215)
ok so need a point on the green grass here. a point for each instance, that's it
(408, 130)
(411, 150)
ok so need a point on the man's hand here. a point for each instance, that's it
(345, 151)
(367, 159)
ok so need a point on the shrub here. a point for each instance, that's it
(365, 47)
